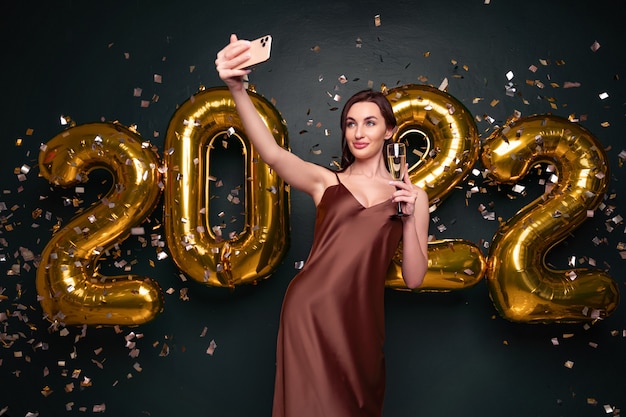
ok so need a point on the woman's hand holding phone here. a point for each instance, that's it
(236, 58)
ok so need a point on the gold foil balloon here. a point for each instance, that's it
(521, 286)
(453, 264)
(447, 131)
(71, 289)
(197, 128)
(442, 133)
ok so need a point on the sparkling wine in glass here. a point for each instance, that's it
(396, 160)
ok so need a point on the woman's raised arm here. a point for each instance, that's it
(305, 176)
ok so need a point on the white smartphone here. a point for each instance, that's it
(259, 51)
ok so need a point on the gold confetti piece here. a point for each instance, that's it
(137, 92)
(377, 20)
(494, 102)
(158, 78)
(315, 48)
(29, 132)
(569, 364)
(426, 54)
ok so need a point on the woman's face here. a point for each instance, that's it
(366, 130)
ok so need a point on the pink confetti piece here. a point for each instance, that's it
(595, 46)
(211, 349)
(99, 408)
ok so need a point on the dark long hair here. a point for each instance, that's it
(383, 104)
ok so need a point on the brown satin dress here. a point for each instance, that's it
(330, 360)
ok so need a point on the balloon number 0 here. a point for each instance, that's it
(73, 292)
(198, 127)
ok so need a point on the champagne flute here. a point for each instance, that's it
(396, 161)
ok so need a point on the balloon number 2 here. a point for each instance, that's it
(523, 289)
(447, 130)
(70, 288)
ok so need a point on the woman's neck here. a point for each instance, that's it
(371, 168)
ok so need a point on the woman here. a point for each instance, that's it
(330, 360)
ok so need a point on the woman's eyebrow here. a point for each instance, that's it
(365, 118)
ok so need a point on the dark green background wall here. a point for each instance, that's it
(447, 353)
